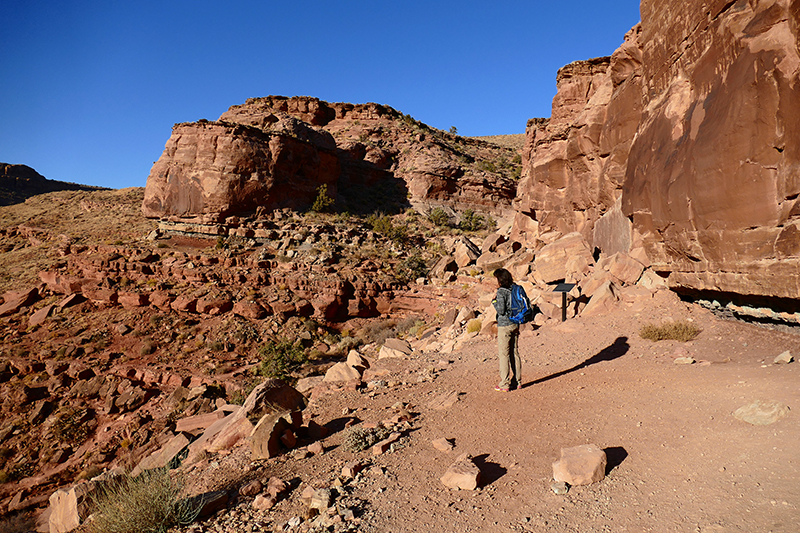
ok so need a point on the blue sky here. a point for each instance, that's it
(91, 89)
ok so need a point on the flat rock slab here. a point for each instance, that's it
(580, 465)
(761, 412)
(444, 401)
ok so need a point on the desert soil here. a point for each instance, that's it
(679, 460)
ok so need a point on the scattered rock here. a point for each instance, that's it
(443, 445)
(559, 487)
(464, 474)
(783, 359)
(580, 465)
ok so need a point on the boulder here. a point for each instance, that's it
(342, 372)
(580, 465)
(266, 437)
(552, 260)
(269, 397)
(464, 474)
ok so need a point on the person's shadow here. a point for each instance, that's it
(609, 353)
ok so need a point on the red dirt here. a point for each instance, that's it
(679, 461)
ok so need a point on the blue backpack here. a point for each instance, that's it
(521, 308)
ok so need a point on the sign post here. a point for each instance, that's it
(564, 288)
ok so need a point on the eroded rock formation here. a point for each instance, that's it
(691, 126)
(276, 151)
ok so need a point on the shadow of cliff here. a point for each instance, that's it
(619, 348)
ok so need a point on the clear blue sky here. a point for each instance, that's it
(91, 89)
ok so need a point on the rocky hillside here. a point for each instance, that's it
(18, 182)
(276, 152)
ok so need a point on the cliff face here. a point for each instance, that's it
(691, 128)
(276, 151)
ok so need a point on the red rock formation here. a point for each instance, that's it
(712, 179)
(217, 169)
(275, 152)
(692, 126)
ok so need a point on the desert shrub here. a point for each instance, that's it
(149, 502)
(383, 225)
(679, 331)
(471, 221)
(280, 358)
(377, 332)
(487, 166)
(411, 268)
(17, 523)
(323, 202)
(358, 439)
(474, 325)
(72, 425)
(439, 217)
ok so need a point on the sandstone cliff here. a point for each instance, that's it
(690, 129)
(275, 152)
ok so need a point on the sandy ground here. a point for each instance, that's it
(678, 460)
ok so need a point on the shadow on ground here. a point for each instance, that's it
(490, 472)
(619, 348)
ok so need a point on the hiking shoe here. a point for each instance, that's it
(501, 389)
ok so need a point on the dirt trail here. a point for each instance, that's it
(680, 460)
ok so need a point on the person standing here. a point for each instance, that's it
(507, 334)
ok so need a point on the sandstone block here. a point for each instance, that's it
(602, 302)
(551, 261)
(264, 503)
(580, 465)
(38, 317)
(265, 439)
(443, 445)
(783, 359)
(464, 474)
(163, 456)
(342, 372)
(13, 301)
(356, 360)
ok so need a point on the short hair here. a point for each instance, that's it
(504, 277)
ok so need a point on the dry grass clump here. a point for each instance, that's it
(149, 502)
(358, 439)
(679, 331)
(474, 325)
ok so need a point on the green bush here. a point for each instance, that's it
(149, 502)
(439, 217)
(471, 221)
(383, 225)
(411, 268)
(280, 358)
(323, 202)
(679, 331)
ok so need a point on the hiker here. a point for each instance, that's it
(507, 334)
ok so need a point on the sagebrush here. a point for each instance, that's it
(679, 331)
(150, 502)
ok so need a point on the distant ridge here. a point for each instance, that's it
(515, 141)
(20, 182)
